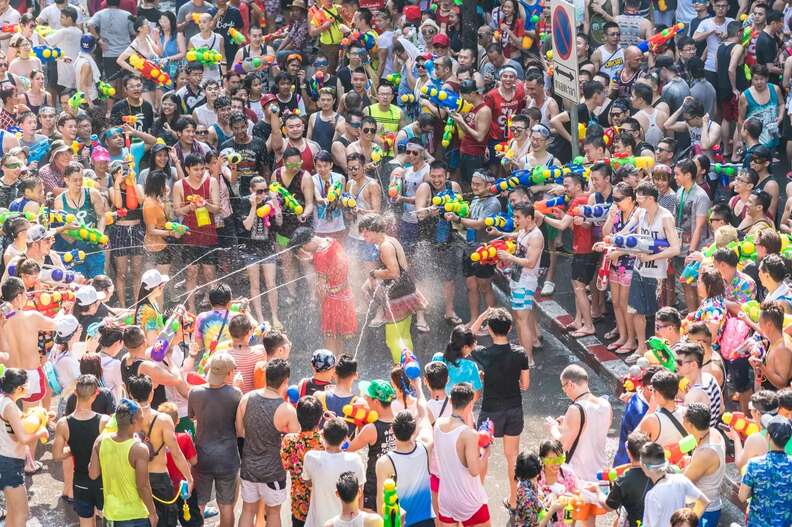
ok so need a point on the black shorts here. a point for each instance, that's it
(739, 372)
(162, 488)
(197, 255)
(471, 268)
(163, 257)
(584, 267)
(468, 165)
(126, 240)
(256, 250)
(87, 497)
(509, 422)
(111, 68)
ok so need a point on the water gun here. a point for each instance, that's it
(348, 201)
(366, 40)
(659, 350)
(196, 17)
(675, 452)
(49, 303)
(409, 364)
(34, 420)
(391, 512)
(660, 39)
(132, 202)
(388, 141)
(726, 171)
(634, 379)
(334, 192)
(73, 257)
(359, 414)
(460, 208)
(176, 227)
(185, 495)
(507, 151)
(88, 234)
(315, 83)
(578, 510)
(44, 31)
(9, 28)
(592, 213)
(551, 205)
(165, 337)
(269, 37)
(502, 223)
(266, 212)
(748, 34)
(394, 79)
(635, 243)
(111, 216)
(253, 64)
(106, 91)
(486, 433)
(639, 162)
(233, 158)
(407, 98)
(293, 394)
(488, 253)
(38, 151)
(204, 55)
(740, 423)
(394, 188)
(6, 214)
(149, 70)
(448, 132)
(77, 100)
(289, 201)
(317, 16)
(612, 474)
(56, 275)
(449, 100)
(446, 196)
(690, 273)
(237, 37)
(746, 250)
(377, 153)
(46, 53)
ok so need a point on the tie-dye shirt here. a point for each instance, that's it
(770, 478)
(207, 328)
(741, 289)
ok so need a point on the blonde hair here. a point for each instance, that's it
(725, 235)
(168, 408)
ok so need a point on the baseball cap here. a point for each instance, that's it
(159, 147)
(100, 153)
(412, 13)
(779, 429)
(152, 278)
(468, 86)
(323, 360)
(219, 366)
(65, 326)
(88, 295)
(381, 391)
(440, 40)
(87, 42)
(36, 233)
(761, 152)
(267, 98)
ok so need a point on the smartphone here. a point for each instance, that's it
(7, 310)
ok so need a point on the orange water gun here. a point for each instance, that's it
(48, 303)
(317, 16)
(359, 414)
(197, 200)
(675, 452)
(388, 140)
(34, 420)
(149, 70)
(275, 34)
(10, 28)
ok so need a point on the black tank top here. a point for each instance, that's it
(82, 435)
(132, 371)
(323, 131)
(386, 442)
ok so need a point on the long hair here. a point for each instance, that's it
(461, 336)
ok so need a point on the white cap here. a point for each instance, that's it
(152, 278)
(88, 295)
(65, 326)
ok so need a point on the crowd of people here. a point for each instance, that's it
(362, 160)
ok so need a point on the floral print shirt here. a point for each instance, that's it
(769, 478)
(293, 450)
(741, 289)
(526, 512)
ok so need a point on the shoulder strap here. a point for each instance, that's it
(574, 446)
(393, 464)
(674, 421)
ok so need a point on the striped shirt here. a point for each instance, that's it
(246, 359)
(710, 386)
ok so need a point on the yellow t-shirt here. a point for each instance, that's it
(332, 35)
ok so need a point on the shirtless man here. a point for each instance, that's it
(368, 194)
(774, 371)
(136, 364)
(160, 435)
(365, 142)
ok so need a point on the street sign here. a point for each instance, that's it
(565, 62)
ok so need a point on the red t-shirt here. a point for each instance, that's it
(502, 109)
(187, 448)
(582, 235)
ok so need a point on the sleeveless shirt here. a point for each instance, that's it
(590, 455)
(82, 434)
(121, 498)
(611, 62)
(205, 236)
(412, 483)
(630, 26)
(261, 461)
(461, 494)
(324, 131)
(385, 442)
(656, 268)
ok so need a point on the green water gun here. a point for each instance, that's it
(288, 198)
(662, 353)
(391, 512)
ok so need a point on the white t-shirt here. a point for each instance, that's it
(668, 495)
(323, 469)
(214, 42)
(11, 16)
(68, 39)
(50, 16)
(713, 41)
(111, 375)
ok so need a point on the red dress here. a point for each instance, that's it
(338, 307)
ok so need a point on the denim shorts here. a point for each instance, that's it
(642, 298)
(12, 472)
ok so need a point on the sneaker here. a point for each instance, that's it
(210, 512)
(547, 289)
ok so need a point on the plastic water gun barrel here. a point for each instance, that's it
(236, 36)
(502, 223)
(675, 452)
(176, 227)
(106, 91)
(448, 100)
(661, 38)
(359, 414)
(662, 353)
(486, 433)
(391, 512)
(639, 244)
(410, 364)
(47, 53)
(289, 201)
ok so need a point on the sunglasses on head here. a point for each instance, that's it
(355, 124)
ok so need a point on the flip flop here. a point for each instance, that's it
(422, 328)
(376, 323)
(453, 320)
(571, 327)
(580, 333)
(614, 346)
(37, 466)
(210, 512)
(611, 334)
(625, 349)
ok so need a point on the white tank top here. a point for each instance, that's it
(412, 483)
(710, 485)
(653, 133)
(357, 521)
(612, 62)
(668, 432)
(9, 447)
(412, 180)
(656, 268)
(362, 203)
(460, 494)
(525, 276)
(327, 221)
(590, 456)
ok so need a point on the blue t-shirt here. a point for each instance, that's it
(465, 370)
(770, 479)
(634, 412)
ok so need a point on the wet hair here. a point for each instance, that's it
(527, 467)
(134, 337)
(278, 372)
(155, 185)
(348, 486)
(775, 266)
(770, 240)
(698, 415)
(109, 334)
(220, 295)
(700, 328)
(689, 350)
(12, 288)
(753, 127)
(346, 366)
(372, 222)
(763, 198)
(461, 336)
(592, 88)
(291, 152)
(239, 326)
(574, 374)
(272, 340)
(652, 454)
(666, 383)
(91, 364)
(713, 283)
(784, 398)
(635, 441)
(773, 312)
(192, 160)
(335, 431)
(727, 256)
(12, 379)
(461, 395)
(309, 412)
(139, 388)
(86, 384)
(684, 518)
(500, 321)
(436, 374)
(403, 425)
(550, 446)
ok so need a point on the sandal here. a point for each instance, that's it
(67, 499)
(581, 333)
(612, 334)
(37, 466)
(453, 320)
(422, 328)
(625, 349)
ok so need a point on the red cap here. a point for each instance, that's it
(267, 98)
(412, 13)
(440, 40)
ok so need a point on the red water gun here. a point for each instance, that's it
(197, 200)
(317, 16)
(634, 379)
(612, 474)
(661, 38)
(740, 424)
(48, 303)
(9, 28)
(487, 253)
(552, 205)
(111, 216)
(486, 433)
(149, 70)
(275, 34)
(359, 414)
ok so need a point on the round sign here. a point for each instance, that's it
(562, 33)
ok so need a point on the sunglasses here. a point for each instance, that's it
(354, 124)
(518, 129)
(421, 65)
(413, 152)
(260, 191)
(369, 130)
(13, 165)
(202, 132)
(554, 460)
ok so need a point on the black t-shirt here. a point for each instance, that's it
(103, 404)
(85, 321)
(629, 492)
(502, 365)
(766, 49)
(231, 18)
(8, 193)
(152, 14)
(144, 111)
(254, 160)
